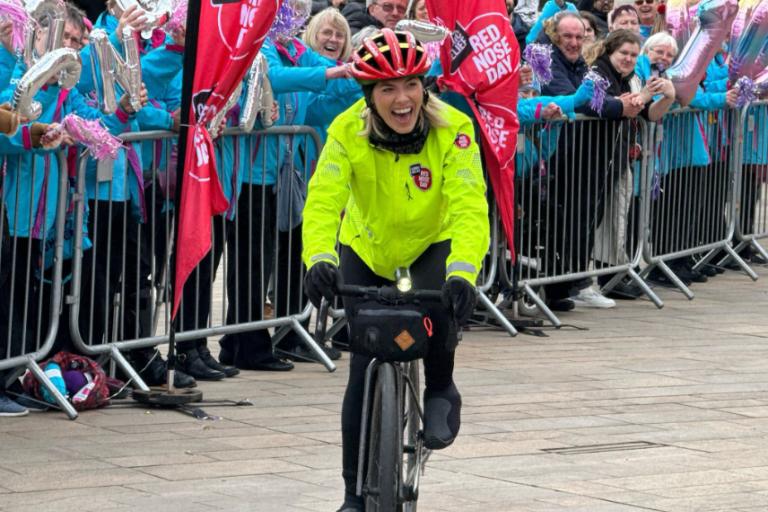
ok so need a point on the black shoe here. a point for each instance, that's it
(301, 354)
(271, 364)
(442, 417)
(226, 355)
(686, 273)
(658, 277)
(561, 305)
(189, 362)
(625, 290)
(211, 362)
(708, 270)
(156, 374)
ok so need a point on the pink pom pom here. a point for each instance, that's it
(601, 86)
(93, 136)
(14, 11)
(178, 17)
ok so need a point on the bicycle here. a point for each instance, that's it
(392, 454)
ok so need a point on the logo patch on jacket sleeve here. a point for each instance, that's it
(462, 141)
(422, 176)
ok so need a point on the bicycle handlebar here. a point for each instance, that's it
(387, 293)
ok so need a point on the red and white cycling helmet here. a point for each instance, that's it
(388, 55)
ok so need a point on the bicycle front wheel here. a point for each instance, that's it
(384, 445)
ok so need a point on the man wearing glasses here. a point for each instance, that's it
(377, 13)
(646, 11)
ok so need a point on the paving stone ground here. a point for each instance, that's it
(632, 409)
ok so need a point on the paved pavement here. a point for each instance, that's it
(631, 409)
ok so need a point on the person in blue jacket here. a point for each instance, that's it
(17, 278)
(586, 163)
(680, 165)
(294, 71)
(551, 8)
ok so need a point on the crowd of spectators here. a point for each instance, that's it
(310, 76)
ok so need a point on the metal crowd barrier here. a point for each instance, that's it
(120, 299)
(31, 265)
(752, 221)
(690, 190)
(578, 210)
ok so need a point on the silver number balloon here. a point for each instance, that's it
(116, 69)
(51, 13)
(61, 63)
(157, 12)
(424, 32)
(258, 96)
(214, 124)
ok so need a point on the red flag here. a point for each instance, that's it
(223, 38)
(481, 61)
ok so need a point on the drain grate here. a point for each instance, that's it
(608, 447)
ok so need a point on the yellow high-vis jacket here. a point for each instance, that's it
(398, 205)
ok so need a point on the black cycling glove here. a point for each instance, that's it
(321, 281)
(460, 297)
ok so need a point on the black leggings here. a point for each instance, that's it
(427, 272)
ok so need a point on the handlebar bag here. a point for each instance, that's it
(389, 332)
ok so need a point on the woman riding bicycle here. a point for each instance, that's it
(404, 169)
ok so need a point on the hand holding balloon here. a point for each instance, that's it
(128, 106)
(132, 17)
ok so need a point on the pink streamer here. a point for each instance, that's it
(14, 11)
(601, 86)
(178, 17)
(93, 136)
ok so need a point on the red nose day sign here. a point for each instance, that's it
(481, 61)
(224, 37)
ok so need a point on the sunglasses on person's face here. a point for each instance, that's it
(648, 2)
(392, 7)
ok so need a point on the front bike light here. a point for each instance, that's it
(403, 280)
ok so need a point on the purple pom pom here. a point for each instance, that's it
(14, 11)
(539, 57)
(601, 85)
(288, 22)
(93, 136)
(747, 92)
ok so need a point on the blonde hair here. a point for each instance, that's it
(431, 111)
(333, 17)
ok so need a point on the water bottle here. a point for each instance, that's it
(53, 372)
(84, 392)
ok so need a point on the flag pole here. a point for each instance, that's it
(172, 396)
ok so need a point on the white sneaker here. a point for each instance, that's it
(591, 298)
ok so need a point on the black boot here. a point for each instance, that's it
(228, 352)
(211, 362)
(442, 417)
(154, 371)
(189, 362)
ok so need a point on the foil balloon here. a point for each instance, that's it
(715, 19)
(47, 20)
(61, 63)
(116, 69)
(14, 12)
(214, 125)
(258, 96)
(749, 56)
(157, 12)
(745, 8)
(678, 21)
(423, 31)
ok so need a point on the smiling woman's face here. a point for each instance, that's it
(330, 41)
(399, 102)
